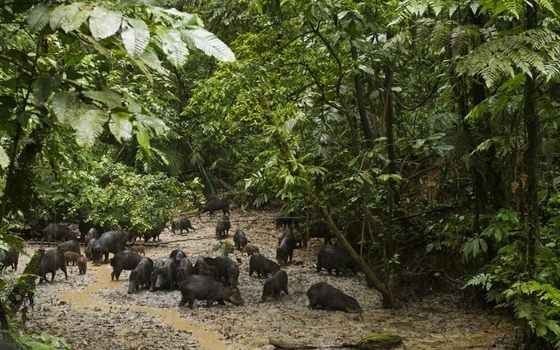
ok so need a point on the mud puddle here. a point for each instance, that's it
(87, 298)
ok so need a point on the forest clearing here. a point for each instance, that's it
(93, 312)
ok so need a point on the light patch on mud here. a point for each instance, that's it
(87, 298)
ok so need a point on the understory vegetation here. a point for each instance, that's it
(423, 133)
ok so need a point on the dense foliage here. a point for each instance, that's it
(419, 130)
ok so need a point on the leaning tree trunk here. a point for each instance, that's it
(388, 299)
(532, 123)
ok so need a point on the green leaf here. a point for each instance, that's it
(38, 17)
(60, 13)
(155, 124)
(151, 60)
(42, 89)
(108, 97)
(143, 138)
(120, 126)
(74, 21)
(4, 159)
(389, 177)
(135, 36)
(133, 105)
(174, 48)
(64, 106)
(209, 44)
(89, 126)
(104, 23)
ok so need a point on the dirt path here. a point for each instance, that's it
(92, 312)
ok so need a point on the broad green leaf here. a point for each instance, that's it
(143, 138)
(186, 19)
(151, 60)
(133, 105)
(60, 13)
(209, 44)
(4, 159)
(65, 105)
(74, 20)
(155, 124)
(108, 97)
(174, 48)
(89, 126)
(120, 126)
(104, 23)
(69, 17)
(38, 17)
(135, 36)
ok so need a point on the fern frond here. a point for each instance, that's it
(533, 51)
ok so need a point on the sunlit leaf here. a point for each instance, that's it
(120, 126)
(103, 23)
(135, 36)
(38, 17)
(209, 44)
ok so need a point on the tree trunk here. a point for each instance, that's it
(387, 295)
(532, 123)
(360, 100)
(392, 190)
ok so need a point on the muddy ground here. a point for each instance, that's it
(92, 312)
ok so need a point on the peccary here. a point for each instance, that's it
(109, 242)
(92, 234)
(222, 228)
(70, 246)
(285, 251)
(152, 234)
(295, 239)
(139, 249)
(131, 237)
(274, 285)
(61, 232)
(162, 275)
(213, 204)
(9, 258)
(262, 266)
(324, 296)
(181, 223)
(184, 269)
(89, 230)
(320, 229)
(251, 249)
(125, 260)
(141, 276)
(198, 287)
(82, 265)
(286, 222)
(205, 266)
(220, 268)
(52, 260)
(89, 249)
(335, 258)
(227, 271)
(177, 254)
(240, 240)
(71, 257)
